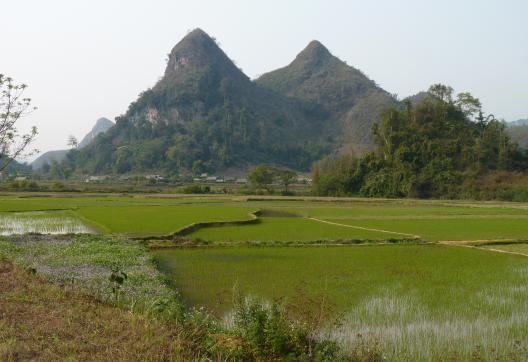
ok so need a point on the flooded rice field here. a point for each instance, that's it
(43, 222)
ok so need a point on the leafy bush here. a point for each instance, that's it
(285, 330)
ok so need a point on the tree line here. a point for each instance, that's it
(442, 146)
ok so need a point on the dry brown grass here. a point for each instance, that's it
(44, 322)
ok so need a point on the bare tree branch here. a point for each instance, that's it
(13, 106)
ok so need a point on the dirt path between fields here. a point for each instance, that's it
(475, 244)
(364, 228)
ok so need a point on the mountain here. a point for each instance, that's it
(48, 157)
(206, 115)
(518, 132)
(352, 101)
(14, 168)
(101, 126)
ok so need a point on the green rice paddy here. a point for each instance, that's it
(312, 220)
(420, 301)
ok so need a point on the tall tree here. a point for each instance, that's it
(13, 106)
(72, 141)
(262, 176)
(441, 147)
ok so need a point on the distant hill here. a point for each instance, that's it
(353, 101)
(206, 115)
(101, 125)
(519, 122)
(15, 167)
(518, 131)
(48, 157)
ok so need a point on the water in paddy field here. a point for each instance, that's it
(41, 222)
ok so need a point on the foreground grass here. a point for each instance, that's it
(86, 262)
(39, 321)
(421, 302)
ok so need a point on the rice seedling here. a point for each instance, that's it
(47, 222)
(417, 302)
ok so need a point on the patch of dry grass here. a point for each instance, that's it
(44, 322)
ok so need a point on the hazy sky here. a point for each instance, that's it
(88, 59)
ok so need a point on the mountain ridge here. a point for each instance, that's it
(352, 100)
(205, 115)
(100, 126)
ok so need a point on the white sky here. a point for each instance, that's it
(86, 59)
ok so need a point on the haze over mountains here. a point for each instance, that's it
(518, 131)
(205, 114)
(101, 125)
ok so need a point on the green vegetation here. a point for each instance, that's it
(441, 147)
(421, 302)
(517, 247)
(122, 273)
(408, 300)
(289, 229)
(263, 176)
(350, 101)
(87, 261)
(281, 220)
(204, 115)
(145, 220)
(463, 228)
(519, 133)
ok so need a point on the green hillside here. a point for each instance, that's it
(352, 101)
(206, 115)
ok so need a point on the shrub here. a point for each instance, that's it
(285, 330)
(195, 189)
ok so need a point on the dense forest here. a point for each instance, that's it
(439, 147)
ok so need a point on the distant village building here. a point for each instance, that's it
(241, 181)
(21, 178)
(211, 179)
(304, 179)
(96, 178)
(155, 177)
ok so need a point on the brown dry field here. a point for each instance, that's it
(44, 322)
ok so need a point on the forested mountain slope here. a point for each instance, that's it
(206, 115)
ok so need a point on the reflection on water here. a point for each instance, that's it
(49, 222)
